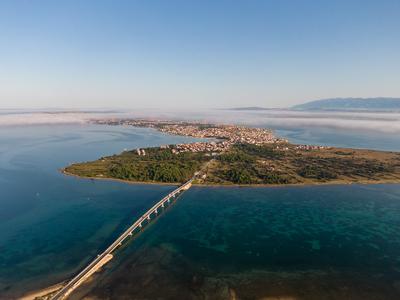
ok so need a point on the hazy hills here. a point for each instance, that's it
(352, 104)
(341, 104)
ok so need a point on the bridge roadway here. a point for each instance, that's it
(78, 279)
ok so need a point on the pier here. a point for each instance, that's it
(106, 255)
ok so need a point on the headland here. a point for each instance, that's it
(238, 155)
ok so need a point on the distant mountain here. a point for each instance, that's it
(249, 108)
(352, 104)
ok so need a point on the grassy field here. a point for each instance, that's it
(248, 164)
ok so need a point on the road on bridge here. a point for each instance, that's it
(105, 256)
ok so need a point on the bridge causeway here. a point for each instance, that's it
(106, 255)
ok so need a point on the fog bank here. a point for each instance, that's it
(376, 122)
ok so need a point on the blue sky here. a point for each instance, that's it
(196, 54)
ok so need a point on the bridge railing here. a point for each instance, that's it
(74, 281)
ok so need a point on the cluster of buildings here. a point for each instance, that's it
(229, 133)
(310, 147)
(282, 148)
(226, 134)
(212, 147)
(136, 122)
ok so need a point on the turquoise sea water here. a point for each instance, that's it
(321, 242)
(51, 224)
(325, 242)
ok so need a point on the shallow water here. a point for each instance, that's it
(332, 241)
(321, 242)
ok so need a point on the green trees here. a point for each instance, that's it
(153, 171)
(239, 176)
(274, 178)
(236, 156)
(312, 171)
(244, 164)
(158, 165)
(265, 151)
(168, 172)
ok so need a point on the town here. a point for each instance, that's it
(225, 135)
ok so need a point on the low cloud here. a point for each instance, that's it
(40, 118)
(389, 123)
(378, 122)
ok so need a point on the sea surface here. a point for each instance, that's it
(347, 138)
(52, 224)
(320, 242)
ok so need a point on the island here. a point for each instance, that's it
(238, 155)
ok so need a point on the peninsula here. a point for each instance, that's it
(238, 155)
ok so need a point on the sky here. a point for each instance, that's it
(195, 54)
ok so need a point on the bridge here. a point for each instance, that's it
(106, 255)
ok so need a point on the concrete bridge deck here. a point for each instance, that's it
(105, 256)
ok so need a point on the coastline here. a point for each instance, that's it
(63, 171)
(42, 292)
(282, 164)
(261, 185)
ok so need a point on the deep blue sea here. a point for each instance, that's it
(321, 242)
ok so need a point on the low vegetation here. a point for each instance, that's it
(158, 165)
(248, 164)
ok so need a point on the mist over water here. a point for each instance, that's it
(285, 119)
